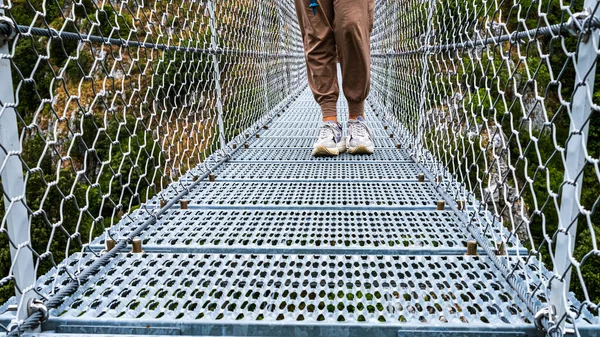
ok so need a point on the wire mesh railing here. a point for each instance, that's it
(113, 102)
(106, 105)
(500, 98)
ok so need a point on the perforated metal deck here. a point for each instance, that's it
(291, 155)
(357, 194)
(288, 288)
(284, 244)
(306, 231)
(318, 172)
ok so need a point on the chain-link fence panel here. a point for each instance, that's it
(262, 58)
(110, 104)
(499, 99)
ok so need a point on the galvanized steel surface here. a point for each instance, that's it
(188, 127)
(280, 262)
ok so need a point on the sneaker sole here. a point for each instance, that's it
(361, 149)
(322, 151)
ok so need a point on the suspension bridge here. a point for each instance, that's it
(159, 180)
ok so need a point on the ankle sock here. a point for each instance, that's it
(358, 118)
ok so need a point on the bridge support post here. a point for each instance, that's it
(214, 46)
(581, 110)
(15, 221)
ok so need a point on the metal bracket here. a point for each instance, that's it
(8, 30)
(35, 305)
(545, 315)
(578, 24)
(540, 316)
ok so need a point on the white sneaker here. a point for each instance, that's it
(331, 142)
(360, 138)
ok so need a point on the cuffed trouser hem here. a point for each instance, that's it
(356, 109)
(338, 29)
(329, 109)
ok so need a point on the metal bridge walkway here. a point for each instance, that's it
(156, 175)
(283, 244)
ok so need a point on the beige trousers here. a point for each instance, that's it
(340, 29)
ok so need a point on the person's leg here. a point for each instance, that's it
(353, 27)
(320, 51)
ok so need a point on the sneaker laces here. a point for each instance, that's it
(327, 130)
(358, 128)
